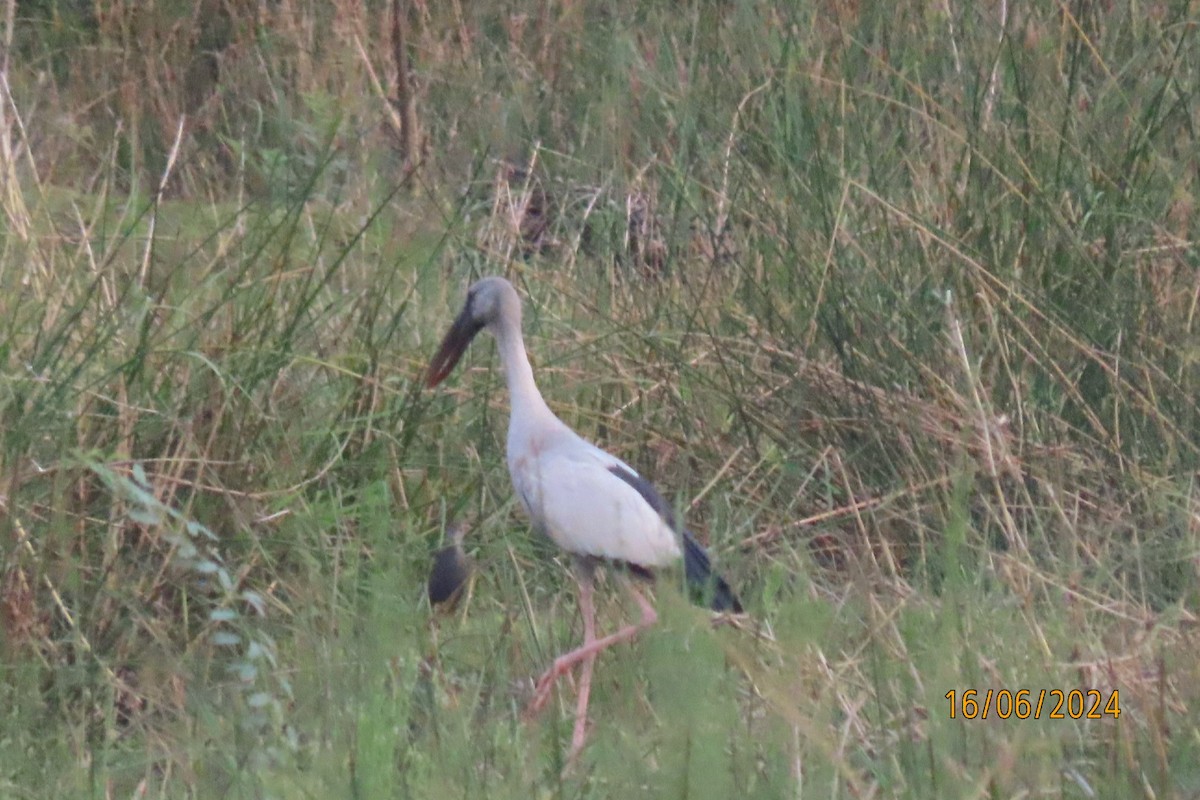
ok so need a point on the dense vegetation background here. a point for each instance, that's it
(898, 301)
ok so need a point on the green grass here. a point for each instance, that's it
(898, 307)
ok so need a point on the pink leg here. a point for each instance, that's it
(587, 653)
(588, 612)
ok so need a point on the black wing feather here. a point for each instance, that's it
(697, 566)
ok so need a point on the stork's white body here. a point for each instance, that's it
(567, 488)
(564, 482)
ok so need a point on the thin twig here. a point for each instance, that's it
(162, 186)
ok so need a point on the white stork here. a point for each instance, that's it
(590, 503)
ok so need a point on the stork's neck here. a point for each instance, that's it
(525, 400)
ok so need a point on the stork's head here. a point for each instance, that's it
(491, 302)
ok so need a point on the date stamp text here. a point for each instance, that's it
(1034, 704)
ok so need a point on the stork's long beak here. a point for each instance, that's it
(453, 346)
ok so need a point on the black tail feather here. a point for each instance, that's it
(697, 567)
